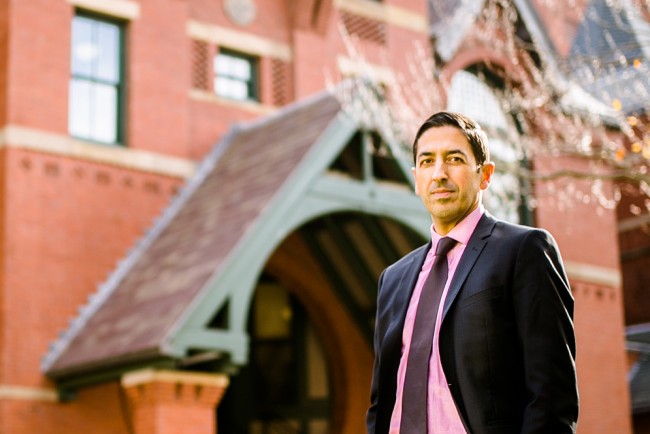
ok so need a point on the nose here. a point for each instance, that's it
(439, 171)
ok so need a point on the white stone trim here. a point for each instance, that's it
(387, 13)
(251, 106)
(632, 223)
(28, 393)
(150, 375)
(238, 40)
(14, 136)
(356, 68)
(125, 9)
(610, 277)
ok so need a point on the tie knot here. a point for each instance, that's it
(445, 245)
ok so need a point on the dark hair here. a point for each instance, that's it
(471, 130)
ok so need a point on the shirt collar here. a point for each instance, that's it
(464, 229)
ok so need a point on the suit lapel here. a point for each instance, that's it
(475, 246)
(411, 271)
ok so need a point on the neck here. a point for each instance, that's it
(443, 227)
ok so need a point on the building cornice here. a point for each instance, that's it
(609, 277)
(360, 68)
(250, 106)
(18, 137)
(12, 392)
(149, 375)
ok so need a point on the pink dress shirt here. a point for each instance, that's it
(443, 417)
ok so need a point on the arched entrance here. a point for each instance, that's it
(310, 326)
(285, 388)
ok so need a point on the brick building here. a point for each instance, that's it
(192, 228)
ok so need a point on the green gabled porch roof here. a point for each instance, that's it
(208, 248)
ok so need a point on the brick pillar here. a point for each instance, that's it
(173, 402)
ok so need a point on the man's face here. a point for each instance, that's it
(447, 177)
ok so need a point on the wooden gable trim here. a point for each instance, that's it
(312, 192)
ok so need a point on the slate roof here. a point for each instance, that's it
(132, 314)
(603, 55)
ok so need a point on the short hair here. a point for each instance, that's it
(475, 135)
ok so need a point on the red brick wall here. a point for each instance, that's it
(39, 72)
(39, 64)
(601, 361)
(567, 209)
(4, 54)
(159, 78)
(586, 234)
(3, 292)
(210, 122)
(316, 56)
(68, 223)
(97, 410)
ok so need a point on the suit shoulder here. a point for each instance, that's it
(407, 260)
(515, 237)
(517, 230)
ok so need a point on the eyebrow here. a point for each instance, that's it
(445, 153)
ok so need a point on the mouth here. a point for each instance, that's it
(441, 193)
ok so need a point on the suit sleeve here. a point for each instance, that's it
(543, 307)
(371, 416)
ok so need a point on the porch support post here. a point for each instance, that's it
(173, 402)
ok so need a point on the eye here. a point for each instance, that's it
(455, 159)
(426, 161)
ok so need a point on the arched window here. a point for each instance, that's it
(471, 96)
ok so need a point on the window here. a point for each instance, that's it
(96, 87)
(235, 76)
(506, 197)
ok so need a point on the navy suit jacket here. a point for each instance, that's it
(507, 343)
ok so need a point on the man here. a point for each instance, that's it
(497, 354)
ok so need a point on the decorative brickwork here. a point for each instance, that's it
(200, 65)
(595, 292)
(364, 28)
(281, 82)
(598, 321)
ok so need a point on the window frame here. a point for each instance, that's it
(252, 85)
(119, 85)
(499, 134)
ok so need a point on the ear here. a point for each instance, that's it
(487, 170)
(415, 181)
